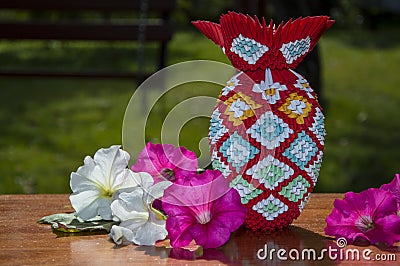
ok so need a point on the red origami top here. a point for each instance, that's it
(252, 45)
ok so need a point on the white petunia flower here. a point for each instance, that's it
(94, 184)
(140, 223)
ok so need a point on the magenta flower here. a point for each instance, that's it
(394, 187)
(204, 209)
(165, 162)
(369, 216)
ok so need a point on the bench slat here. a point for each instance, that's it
(74, 74)
(160, 31)
(83, 31)
(99, 5)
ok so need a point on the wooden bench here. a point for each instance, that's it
(150, 23)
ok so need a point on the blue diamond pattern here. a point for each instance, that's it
(248, 49)
(218, 164)
(318, 127)
(293, 50)
(217, 129)
(238, 151)
(270, 130)
(270, 208)
(301, 150)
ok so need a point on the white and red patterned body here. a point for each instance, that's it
(267, 130)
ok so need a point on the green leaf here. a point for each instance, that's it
(58, 218)
(68, 224)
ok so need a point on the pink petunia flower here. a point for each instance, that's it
(394, 187)
(204, 209)
(166, 162)
(367, 216)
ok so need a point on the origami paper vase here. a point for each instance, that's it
(267, 129)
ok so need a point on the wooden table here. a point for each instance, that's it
(25, 242)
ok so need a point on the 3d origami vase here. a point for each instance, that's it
(267, 129)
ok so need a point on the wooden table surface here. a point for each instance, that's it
(25, 242)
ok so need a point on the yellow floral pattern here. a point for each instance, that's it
(239, 107)
(296, 106)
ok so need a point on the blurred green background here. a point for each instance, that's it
(48, 125)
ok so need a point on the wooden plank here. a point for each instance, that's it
(83, 31)
(74, 74)
(76, 5)
(24, 242)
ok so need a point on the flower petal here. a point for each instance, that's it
(346, 208)
(143, 180)
(124, 179)
(203, 189)
(80, 180)
(385, 203)
(148, 160)
(85, 204)
(211, 235)
(371, 201)
(154, 158)
(109, 163)
(157, 191)
(394, 187)
(121, 234)
(112, 160)
(133, 224)
(130, 205)
(205, 177)
(386, 230)
(80, 183)
(149, 233)
(183, 161)
(104, 209)
(178, 222)
(229, 210)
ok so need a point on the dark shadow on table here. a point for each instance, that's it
(244, 245)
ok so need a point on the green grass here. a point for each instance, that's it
(48, 125)
(363, 124)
